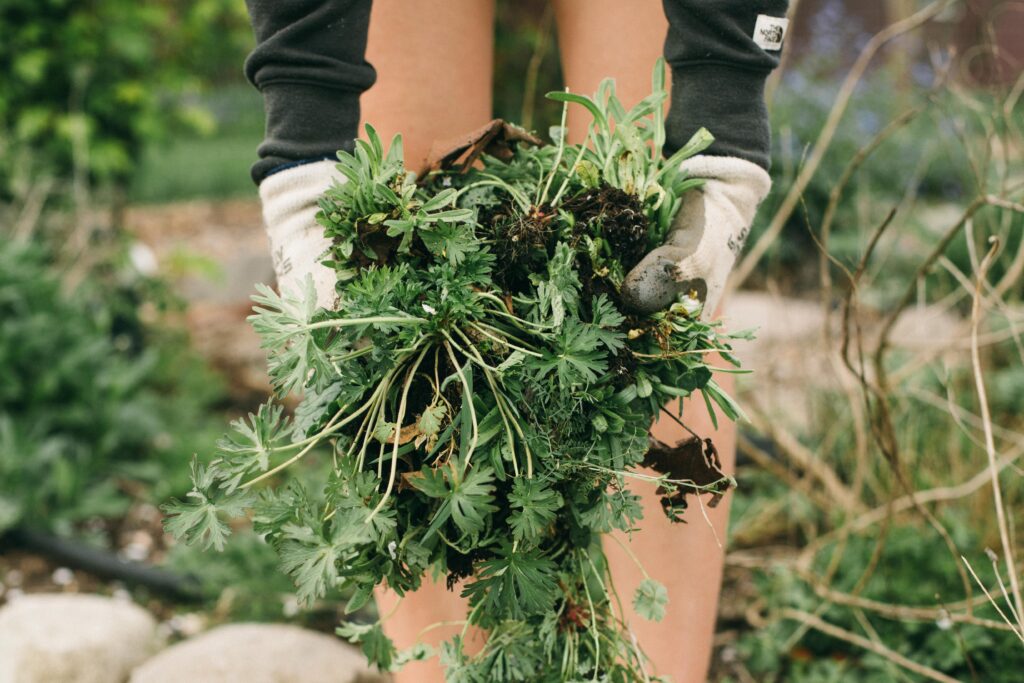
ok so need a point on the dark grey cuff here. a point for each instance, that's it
(729, 102)
(305, 122)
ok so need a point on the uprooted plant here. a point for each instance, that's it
(484, 395)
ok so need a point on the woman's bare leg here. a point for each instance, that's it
(686, 558)
(601, 38)
(434, 61)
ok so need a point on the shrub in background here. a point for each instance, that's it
(97, 407)
(88, 82)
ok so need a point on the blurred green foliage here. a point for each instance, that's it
(98, 407)
(924, 158)
(202, 165)
(88, 83)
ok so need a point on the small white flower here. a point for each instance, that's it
(446, 181)
(391, 550)
(944, 623)
(691, 305)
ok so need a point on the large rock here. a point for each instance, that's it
(73, 639)
(258, 653)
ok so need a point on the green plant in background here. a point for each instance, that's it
(916, 569)
(97, 407)
(88, 84)
(485, 396)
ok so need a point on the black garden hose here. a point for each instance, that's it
(105, 564)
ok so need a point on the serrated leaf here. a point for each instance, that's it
(431, 419)
(534, 507)
(650, 600)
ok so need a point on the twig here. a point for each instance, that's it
(801, 456)
(990, 448)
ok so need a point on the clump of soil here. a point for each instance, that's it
(517, 238)
(616, 216)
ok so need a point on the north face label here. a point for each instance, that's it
(769, 32)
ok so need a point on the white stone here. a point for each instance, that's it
(73, 639)
(258, 653)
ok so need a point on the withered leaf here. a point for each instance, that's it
(495, 138)
(692, 462)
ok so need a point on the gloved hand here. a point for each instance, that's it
(706, 238)
(297, 241)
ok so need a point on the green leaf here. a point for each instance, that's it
(534, 508)
(650, 600)
(199, 520)
(248, 448)
(467, 497)
(311, 558)
(589, 104)
(559, 294)
(450, 241)
(378, 648)
(607, 320)
(576, 359)
(516, 584)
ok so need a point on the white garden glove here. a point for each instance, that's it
(706, 238)
(297, 241)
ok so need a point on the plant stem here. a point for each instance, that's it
(351, 322)
(498, 400)
(469, 402)
(313, 441)
(398, 428)
(569, 173)
(558, 156)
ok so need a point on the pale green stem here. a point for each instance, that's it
(569, 174)
(498, 401)
(398, 428)
(558, 156)
(474, 357)
(352, 322)
(378, 408)
(504, 408)
(313, 441)
(469, 401)
(631, 555)
(708, 488)
(593, 622)
(481, 327)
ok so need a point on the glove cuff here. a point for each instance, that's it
(290, 204)
(736, 172)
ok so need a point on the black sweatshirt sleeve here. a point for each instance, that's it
(719, 68)
(310, 64)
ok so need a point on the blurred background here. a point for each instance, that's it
(877, 530)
